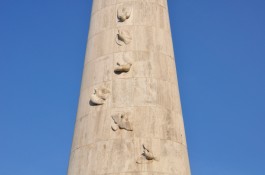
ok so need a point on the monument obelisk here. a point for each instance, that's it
(129, 119)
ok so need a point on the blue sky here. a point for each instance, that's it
(220, 55)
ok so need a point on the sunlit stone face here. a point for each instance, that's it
(129, 119)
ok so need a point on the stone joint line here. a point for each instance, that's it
(174, 147)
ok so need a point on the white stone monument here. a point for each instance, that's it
(129, 119)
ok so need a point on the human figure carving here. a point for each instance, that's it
(121, 121)
(120, 68)
(146, 157)
(99, 96)
(123, 37)
(123, 13)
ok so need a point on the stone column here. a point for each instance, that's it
(129, 119)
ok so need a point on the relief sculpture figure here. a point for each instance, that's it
(146, 157)
(99, 96)
(121, 121)
(123, 13)
(123, 37)
(129, 119)
(120, 68)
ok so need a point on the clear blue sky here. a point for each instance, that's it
(220, 54)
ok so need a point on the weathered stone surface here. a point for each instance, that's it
(122, 68)
(99, 96)
(124, 13)
(121, 121)
(147, 156)
(123, 37)
(129, 119)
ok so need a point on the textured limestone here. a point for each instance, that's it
(147, 156)
(123, 13)
(129, 119)
(121, 121)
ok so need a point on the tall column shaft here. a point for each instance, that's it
(129, 119)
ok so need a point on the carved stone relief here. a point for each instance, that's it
(124, 13)
(146, 157)
(122, 68)
(99, 96)
(121, 121)
(123, 37)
